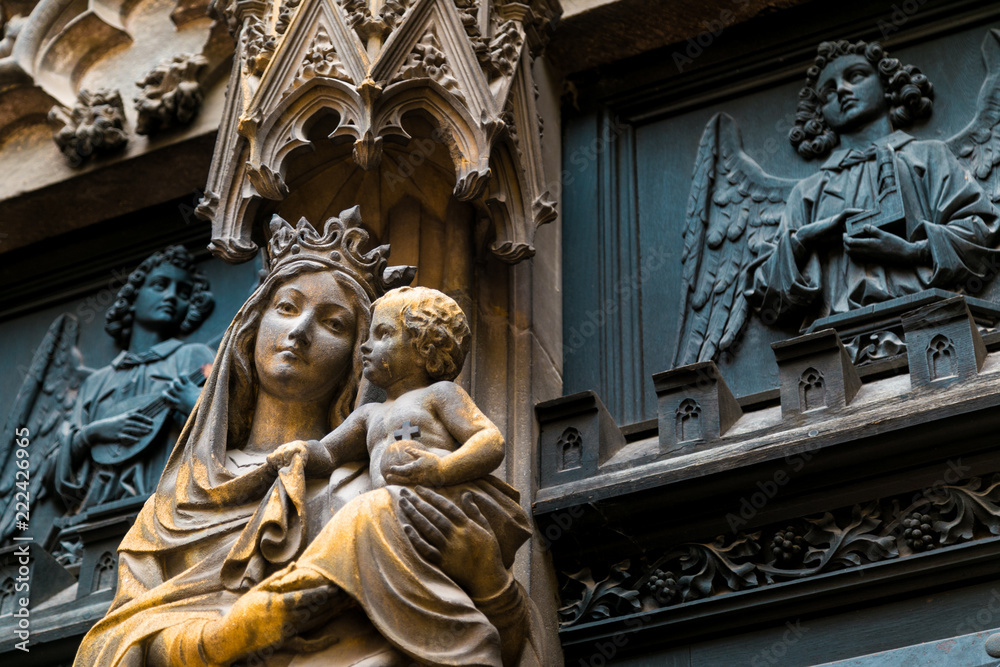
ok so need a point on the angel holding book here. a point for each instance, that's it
(886, 215)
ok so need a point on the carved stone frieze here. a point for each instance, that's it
(463, 65)
(171, 94)
(96, 124)
(901, 526)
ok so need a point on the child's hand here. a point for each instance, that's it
(409, 465)
(286, 453)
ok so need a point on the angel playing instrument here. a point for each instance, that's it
(157, 408)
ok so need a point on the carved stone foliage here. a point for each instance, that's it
(171, 94)
(897, 527)
(463, 65)
(96, 124)
(321, 60)
(61, 56)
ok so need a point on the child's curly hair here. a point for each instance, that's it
(120, 316)
(437, 327)
(908, 93)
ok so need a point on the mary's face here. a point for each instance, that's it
(305, 341)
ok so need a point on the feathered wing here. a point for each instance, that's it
(977, 147)
(43, 406)
(732, 217)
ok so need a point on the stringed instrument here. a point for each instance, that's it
(154, 406)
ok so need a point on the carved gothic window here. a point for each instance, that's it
(104, 573)
(7, 597)
(812, 390)
(570, 449)
(688, 421)
(941, 358)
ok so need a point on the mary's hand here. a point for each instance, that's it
(458, 540)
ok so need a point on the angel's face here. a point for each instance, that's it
(162, 302)
(851, 94)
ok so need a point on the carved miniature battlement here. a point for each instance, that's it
(694, 406)
(816, 373)
(943, 344)
(577, 434)
(820, 392)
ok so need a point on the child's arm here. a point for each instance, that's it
(345, 443)
(481, 451)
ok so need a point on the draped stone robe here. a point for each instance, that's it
(943, 205)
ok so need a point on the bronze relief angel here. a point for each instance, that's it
(886, 215)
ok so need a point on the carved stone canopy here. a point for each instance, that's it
(462, 65)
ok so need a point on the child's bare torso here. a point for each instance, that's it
(409, 417)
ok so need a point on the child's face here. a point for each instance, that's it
(388, 355)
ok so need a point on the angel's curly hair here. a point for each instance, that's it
(908, 92)
(436, 326)
(121, 314)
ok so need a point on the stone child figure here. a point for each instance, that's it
(427, 432)
(164, 296)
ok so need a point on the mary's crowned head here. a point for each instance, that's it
(299, 336)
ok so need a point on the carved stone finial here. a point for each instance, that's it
(340, 245)
(171, 94)
(96, 124)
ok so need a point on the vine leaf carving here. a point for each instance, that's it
(851, 545)
(595, 600)
(967, 503)
(705, 563)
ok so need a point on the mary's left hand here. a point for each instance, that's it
(458, 540)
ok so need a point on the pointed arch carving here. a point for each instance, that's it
(424, 61)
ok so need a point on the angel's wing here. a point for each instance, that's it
(977, 147)
(43, 406)
(732, 218)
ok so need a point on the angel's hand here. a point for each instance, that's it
(182, 394)
(825, 229)
(406, 463)
(125, 429)
(286, 453)
(878, 245)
